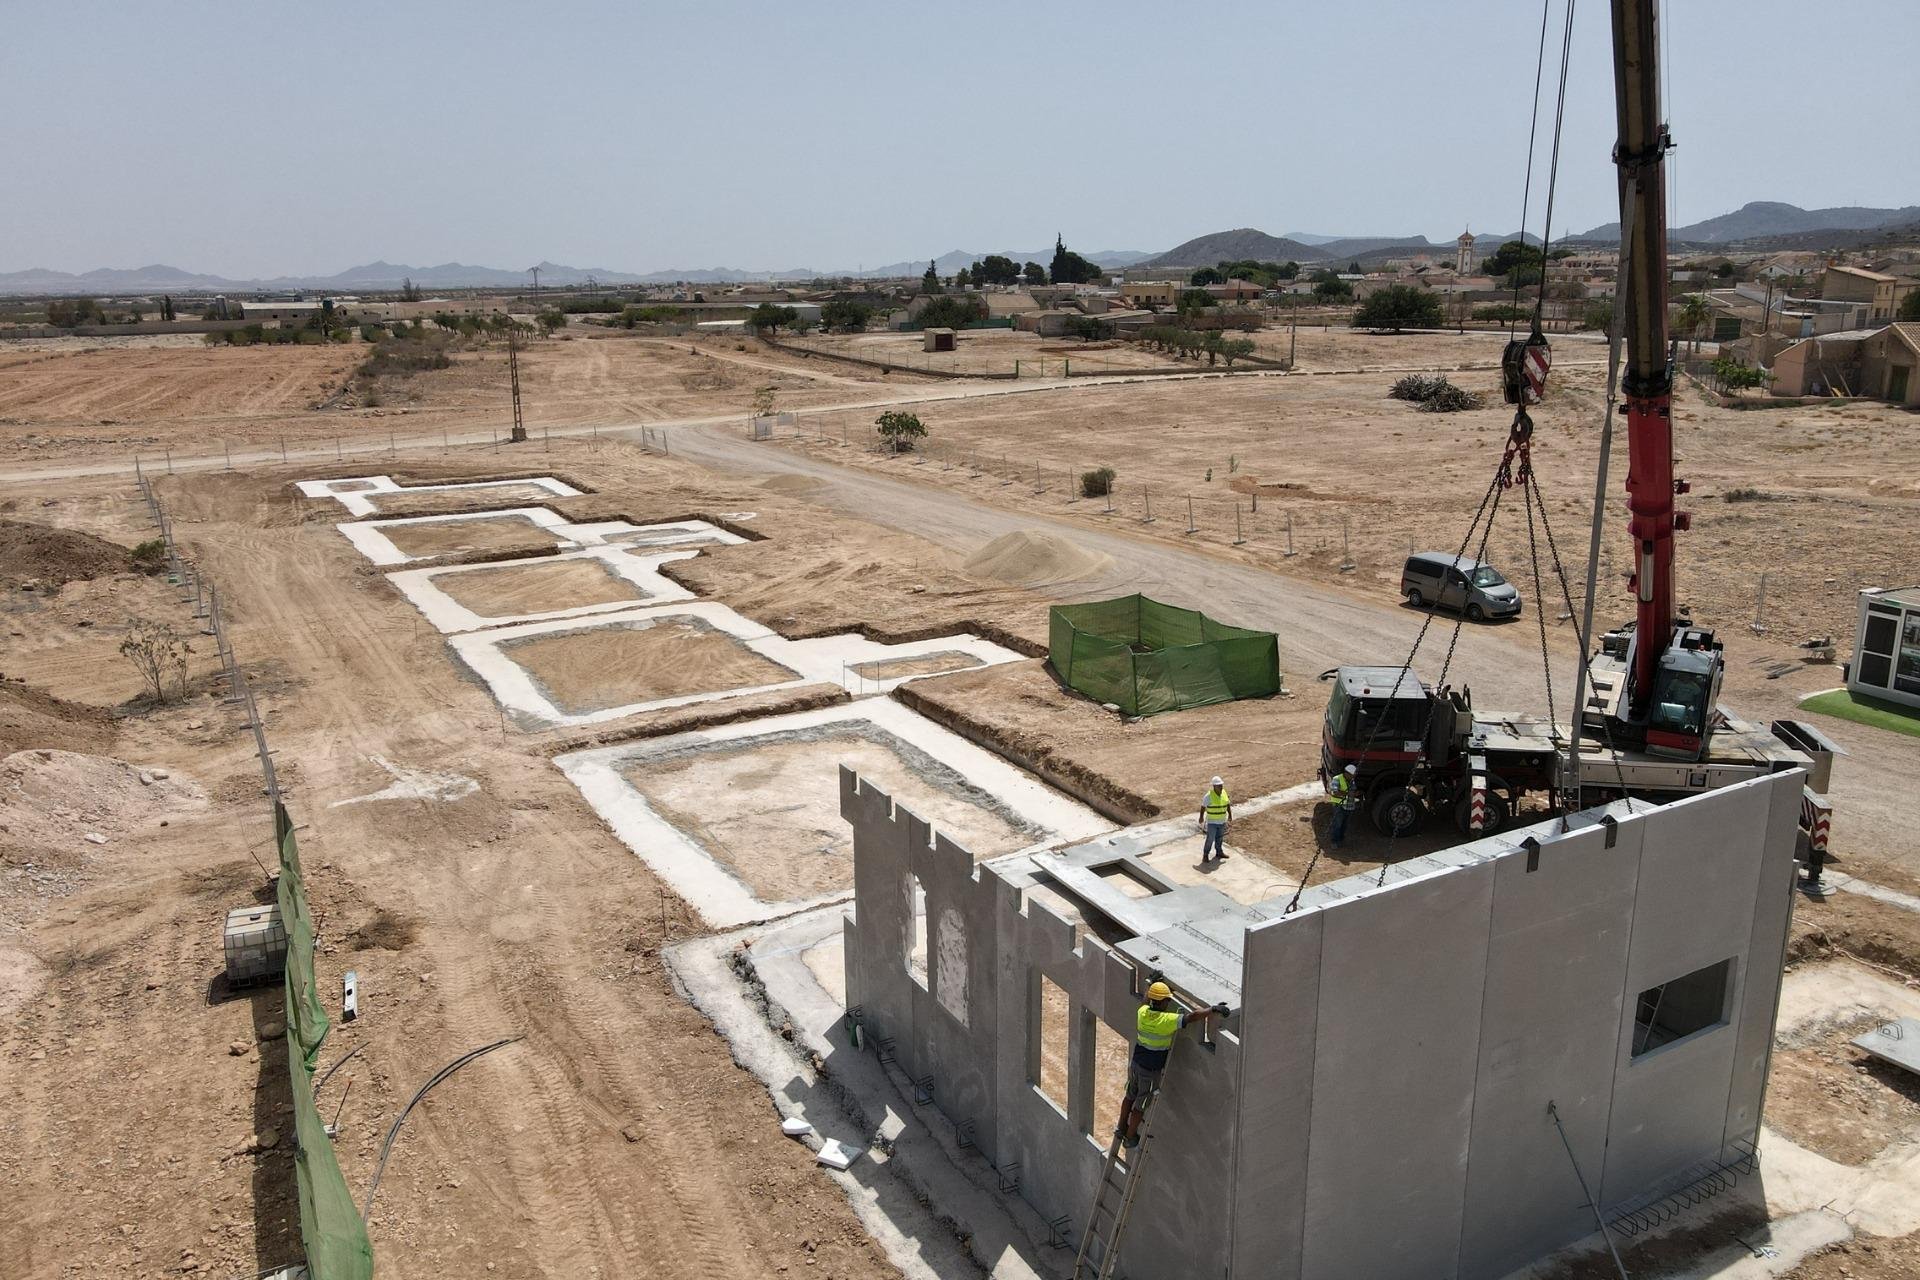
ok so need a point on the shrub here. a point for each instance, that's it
(1097, 483)
(900, 429)
(1434, 394)
(150, 556)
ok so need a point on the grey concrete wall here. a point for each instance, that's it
(1379, 1105)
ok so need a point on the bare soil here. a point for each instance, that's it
(446, 501)
(48, 558)
(926, 665)
(451, 537)
(619, 664)
(536, 588)
(1838, 1100)
(770, 812)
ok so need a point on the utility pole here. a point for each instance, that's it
(513, 377)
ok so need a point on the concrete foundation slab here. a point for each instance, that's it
(740, 821)
(824, 659)
(360, 495)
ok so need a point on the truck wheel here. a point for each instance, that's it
(1496, 819)
(1398, 812)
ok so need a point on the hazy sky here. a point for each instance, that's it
(262, 139)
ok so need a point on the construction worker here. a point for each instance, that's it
(1158, 1023)
(1216, 811)
(1345, 790)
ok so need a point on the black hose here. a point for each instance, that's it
(386, 1148)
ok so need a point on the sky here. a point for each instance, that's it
(270, 139)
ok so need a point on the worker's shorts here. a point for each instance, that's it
(1141, 1082)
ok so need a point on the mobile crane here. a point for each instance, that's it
(1651, 726)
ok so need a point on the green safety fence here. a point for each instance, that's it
(330, 1225)
(1146, 657)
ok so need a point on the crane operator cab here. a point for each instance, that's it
(1686, 689)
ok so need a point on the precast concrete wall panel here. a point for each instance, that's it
(1402, 975)
(1279, 1038)
(1759, 1001)
(1556, 965)
(1694, 907)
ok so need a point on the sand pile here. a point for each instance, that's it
(32, 718)
(793, 485)
(50, 557)
(1031, 558)
(57, 800)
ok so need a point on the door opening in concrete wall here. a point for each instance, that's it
(1052, 1033)
(1110, 1053)
(917, 912)
(1684, 1007)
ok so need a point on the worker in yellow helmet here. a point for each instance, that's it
(1158, 1023)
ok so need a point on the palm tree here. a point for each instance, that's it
(1692, 317)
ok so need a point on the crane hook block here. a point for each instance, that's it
(1523, 368)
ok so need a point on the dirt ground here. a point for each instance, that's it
(536, 588)
(452, 537)
(1365, 478)
(619, 664)
(619, 1129)
(779, 828)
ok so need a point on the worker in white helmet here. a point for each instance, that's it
(1216, 811)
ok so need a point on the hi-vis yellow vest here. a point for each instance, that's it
(1217, 803)
(1157, 1029)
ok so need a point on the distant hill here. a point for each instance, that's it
(1763, 218)
(1228, 246)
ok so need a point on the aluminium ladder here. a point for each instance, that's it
(1113, 1199)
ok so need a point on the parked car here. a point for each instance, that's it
(1458, 582)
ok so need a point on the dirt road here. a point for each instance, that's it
(1320, 627)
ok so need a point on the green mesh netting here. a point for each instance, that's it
(1146, 657)
(330, 1226)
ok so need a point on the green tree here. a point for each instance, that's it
(1069, 267)
(1205, 276)
(1514, 253)
(900, 429)
(848, 315)
(1193, 300)
(1690, 317)
(1400, 306)
(1910, 306)
(1034, 273)
(768, 317)
(930, 282)
(996, 268)
(951, 312)
(1329, 287)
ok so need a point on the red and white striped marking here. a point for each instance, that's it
(1539, 359)
(1816, 819)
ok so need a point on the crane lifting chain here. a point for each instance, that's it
(1523, 369)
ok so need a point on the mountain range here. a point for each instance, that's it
(1761, 224)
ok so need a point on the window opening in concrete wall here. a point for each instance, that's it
(1121, 876)
(1110, 1053)
(1683, 1007)
(1052, 1032)
(917, 911)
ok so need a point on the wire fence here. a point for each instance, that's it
(331, 1230)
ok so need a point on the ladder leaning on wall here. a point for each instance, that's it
(1113, 1198)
